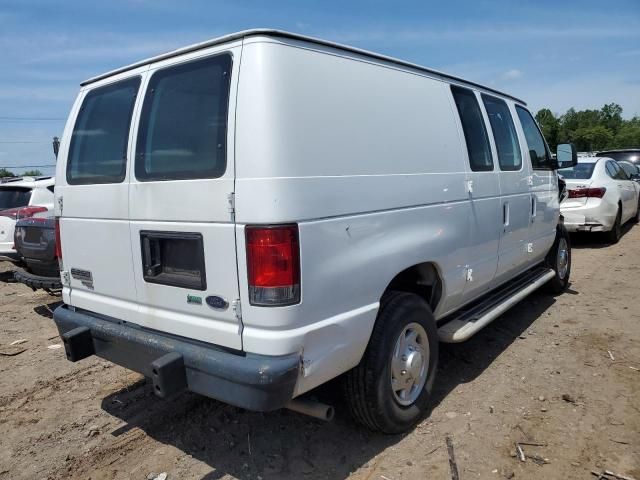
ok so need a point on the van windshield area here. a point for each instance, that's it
(581, 171)
(14, 197)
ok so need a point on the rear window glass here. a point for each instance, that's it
(633, 157)
(98, 150)
(474, 129)
(581, 171)
(14, 197)
(504, 133)
(183, 126)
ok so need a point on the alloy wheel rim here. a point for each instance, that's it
(409, 364)
(563, 258)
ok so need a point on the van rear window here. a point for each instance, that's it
(14, 197)
(183, 125)
(98, 149)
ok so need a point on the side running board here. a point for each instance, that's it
(463, 325)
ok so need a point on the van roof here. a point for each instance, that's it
(294, 36)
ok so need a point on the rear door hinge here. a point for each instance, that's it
(231, 199)
(237, 308)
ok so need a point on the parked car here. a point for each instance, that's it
(629, 154)
(602, 197)
(631, 169)
(23, 197)
(35, 242)
(323, 211)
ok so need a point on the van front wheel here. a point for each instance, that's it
(389, 390)
(559, 259)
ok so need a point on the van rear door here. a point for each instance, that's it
(180, 198)
(92, 198)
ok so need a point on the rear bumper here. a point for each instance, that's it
(254, 382)
(597, 218)
(37, 281)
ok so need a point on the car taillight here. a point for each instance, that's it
(273, 265)
(587, 193)
(22, 212)
(58, 245)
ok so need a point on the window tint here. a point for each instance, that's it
(620, 173)
(581, 171)
(14, 197)
(629, 168)
(475, 132)
(98, 150)
(535, 141)
(611, 171)
(183, 126)
(504, 133)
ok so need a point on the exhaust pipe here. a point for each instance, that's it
(318, 410)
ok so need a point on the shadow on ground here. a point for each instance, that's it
(581, 240)
(46, 310)
(287, 445)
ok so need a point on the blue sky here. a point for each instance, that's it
(581, 53)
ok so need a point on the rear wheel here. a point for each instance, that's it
(613, 235)
(559, 259)
(389, 390)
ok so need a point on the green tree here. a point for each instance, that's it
(549, 125)
(32, 173)
(5, 173)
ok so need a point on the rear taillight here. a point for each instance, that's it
(58, 245)
(273, 265)
(587, 193)
(22, 212)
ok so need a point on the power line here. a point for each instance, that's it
(30, 119)
(28, 166)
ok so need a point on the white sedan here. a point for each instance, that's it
(601, 197)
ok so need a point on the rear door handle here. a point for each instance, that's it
(534, 206)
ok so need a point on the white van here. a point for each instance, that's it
(250, 217)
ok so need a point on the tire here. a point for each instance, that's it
(368, 387)
(613, 235)
(559, 259)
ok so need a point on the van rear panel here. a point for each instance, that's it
(147, 173)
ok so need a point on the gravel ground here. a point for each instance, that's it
(560, 372)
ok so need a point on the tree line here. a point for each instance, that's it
(590, 130)
(28, 173)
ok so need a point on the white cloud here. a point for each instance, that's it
(512, 74)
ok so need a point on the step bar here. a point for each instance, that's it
(467, 323)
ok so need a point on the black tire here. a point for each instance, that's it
(371, 399)
(560, 282)
(37, 281)
(613, 235)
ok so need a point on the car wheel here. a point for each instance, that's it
(559, 259)
(613, 235)
(389, 390)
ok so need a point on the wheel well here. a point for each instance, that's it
(422, 279)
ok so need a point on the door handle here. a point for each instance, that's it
(505, 215)
(534, 206)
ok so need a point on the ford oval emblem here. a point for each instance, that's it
(218, 303)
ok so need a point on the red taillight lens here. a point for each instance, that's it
(58, 246)
(587, 193)
(273, 265)
(22, 212)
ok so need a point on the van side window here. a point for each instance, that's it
(475, 132)
(98, 148)
(504, 133)
(183, 125)
(540, 158)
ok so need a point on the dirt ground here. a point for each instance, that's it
(559, 372)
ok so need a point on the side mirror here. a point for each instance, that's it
(566, 155)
